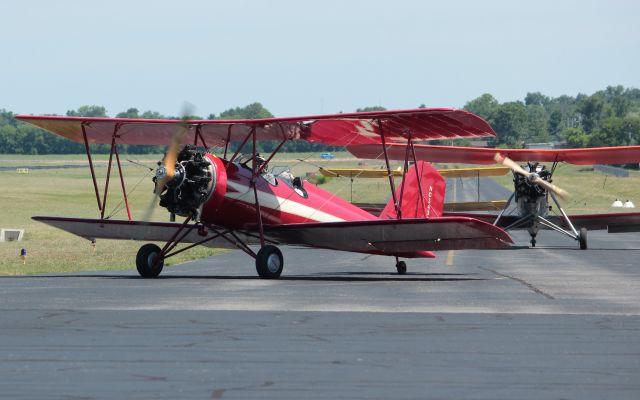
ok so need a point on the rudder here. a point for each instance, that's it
(428, 203)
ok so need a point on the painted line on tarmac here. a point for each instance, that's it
(450, 255)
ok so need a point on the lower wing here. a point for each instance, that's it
(614, 223)
(403, 238)
(139, 230)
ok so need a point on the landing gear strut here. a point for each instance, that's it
(147, 262)
(269, 262)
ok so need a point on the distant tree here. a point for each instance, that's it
(537, 124)
(575, 137)
(371, 108)
(130, 113)
(536, 99)
(152, 115)
(615, 131)
(591, 109)
(509, 121)
(252, 111)
(88, 111)
(484, 106)
(555, 123)
(631, 127)
(422, 106)
(621, 106)
(11, 141)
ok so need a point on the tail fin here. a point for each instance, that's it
(416, 203)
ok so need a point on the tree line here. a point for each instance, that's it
(609, 117)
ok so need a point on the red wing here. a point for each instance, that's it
(336, 129)
(134, 230)
(476, 155)
(394, 237)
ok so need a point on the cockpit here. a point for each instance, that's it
(276, 174)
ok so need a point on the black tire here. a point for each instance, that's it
(582, 238)
(401, 266)
(146, 261)
(269, 262)
(533, 242)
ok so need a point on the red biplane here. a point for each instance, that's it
(235, 201)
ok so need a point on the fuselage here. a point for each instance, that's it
(282, 200)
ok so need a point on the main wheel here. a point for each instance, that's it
(582, 238)
(146, 261)
(401, 266)
(269, 262)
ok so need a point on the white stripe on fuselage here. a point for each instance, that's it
(268, 200)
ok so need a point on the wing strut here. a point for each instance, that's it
(102, 205)
(389, 173)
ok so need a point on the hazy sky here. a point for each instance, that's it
(299, 57)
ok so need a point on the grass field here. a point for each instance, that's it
(69, 192)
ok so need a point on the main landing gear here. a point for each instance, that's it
(582, 238)
(269, 262)
(148, 262)
(401, 267)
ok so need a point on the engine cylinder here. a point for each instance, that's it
(192, 184)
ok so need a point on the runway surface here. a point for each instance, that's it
(552, 322)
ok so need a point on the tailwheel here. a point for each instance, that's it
(147, 262)
(401, 266)
(582, 238)
(533, 241)
(269, 262)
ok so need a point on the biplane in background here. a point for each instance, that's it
(534, 194)
(235, 201)
(478, 205)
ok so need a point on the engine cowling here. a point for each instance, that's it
(199, 177)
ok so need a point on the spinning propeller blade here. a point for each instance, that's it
(533, 177)
(166, 171)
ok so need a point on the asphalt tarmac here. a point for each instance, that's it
(552, 322)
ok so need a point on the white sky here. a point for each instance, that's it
(299, 57)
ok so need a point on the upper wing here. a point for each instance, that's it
(477, 155)
(336, 129)
(394, 237)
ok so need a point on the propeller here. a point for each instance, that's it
(167, 167)
(531, 176)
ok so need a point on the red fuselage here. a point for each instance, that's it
(233, 204)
